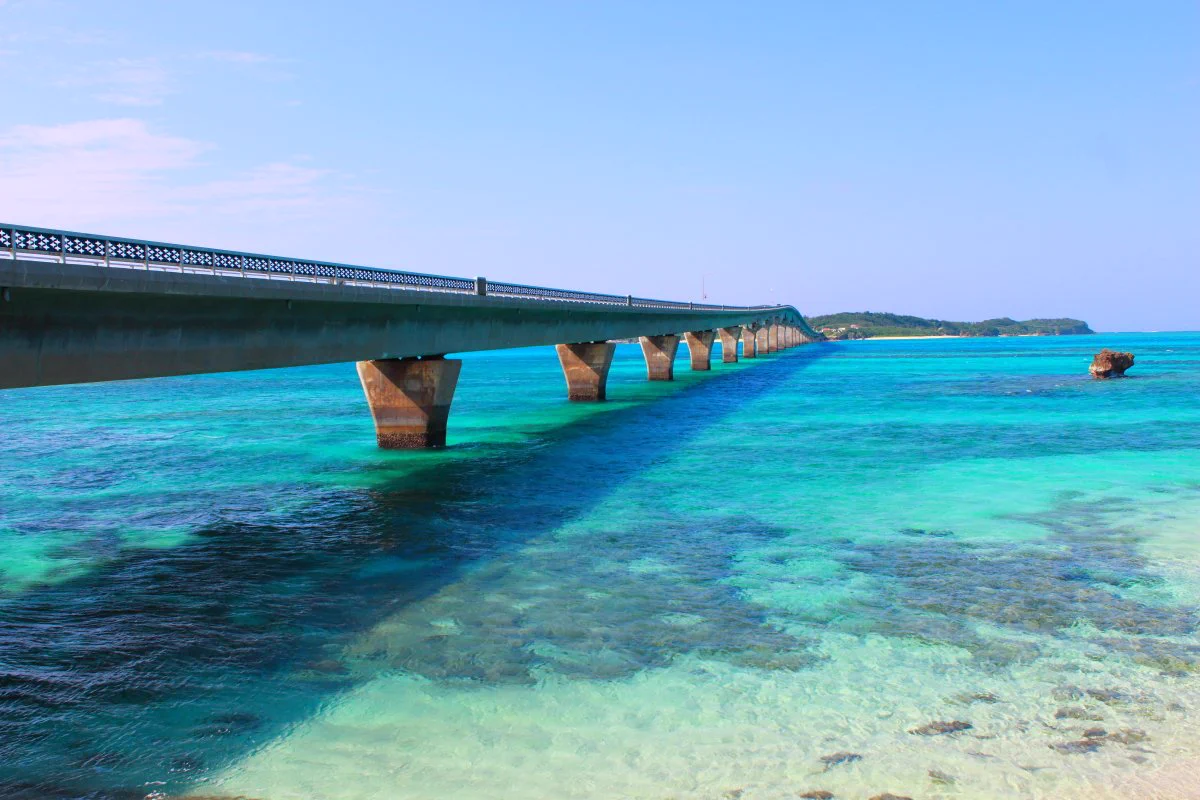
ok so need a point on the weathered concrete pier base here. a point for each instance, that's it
(410, 399)
(585, 366)
(729, 342)
(659, 352)
(700, 349)
(760, 341)
(773, 338)
(748, 343)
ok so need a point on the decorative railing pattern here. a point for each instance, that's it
(67, 246)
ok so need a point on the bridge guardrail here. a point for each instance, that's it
(69, 246)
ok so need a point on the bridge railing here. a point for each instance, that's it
(71, 247)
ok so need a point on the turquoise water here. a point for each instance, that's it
(752, 583)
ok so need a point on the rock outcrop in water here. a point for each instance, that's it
(942, 727)
(1110, 364)
(835, 759)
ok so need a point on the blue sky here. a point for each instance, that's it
(957, 160)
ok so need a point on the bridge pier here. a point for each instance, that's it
(410, 399)
(729, 342)
(760, 341)
(773, 338)
(789, 337)
(748, 341)
(585, 366)
(700, 349)
(659, 352)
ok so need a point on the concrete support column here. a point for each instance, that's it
(791, 336)
(729, 340)
(659, 352)
(773, 338)
(700, 348)
(760, 339)
(585, 366)
(748, 340)
(410, 399)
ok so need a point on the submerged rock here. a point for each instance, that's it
(1108, 695)
(1081, 746)
(1076, 712)
(939, 727)
(940, 533)
(1127, 736)
(834, 759)
(1095, 733)
(890, 796)
(966, 698)
(941, 778)
(1110, 364)
(817, 794)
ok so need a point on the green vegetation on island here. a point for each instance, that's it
(868, 324)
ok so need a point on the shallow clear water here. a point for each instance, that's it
(755, 582)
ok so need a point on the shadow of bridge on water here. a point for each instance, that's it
(164, 665)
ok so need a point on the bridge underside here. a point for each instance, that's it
(77, 323)
(69, 323)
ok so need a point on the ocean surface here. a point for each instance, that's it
(939, 568)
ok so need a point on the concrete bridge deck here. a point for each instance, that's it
(78, 308)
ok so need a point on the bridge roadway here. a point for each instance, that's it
(80, 308)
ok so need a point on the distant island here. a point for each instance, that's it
(870, 324)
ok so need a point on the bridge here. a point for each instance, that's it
(81, 308)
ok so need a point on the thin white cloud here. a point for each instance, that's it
(270, 189)
(124, 81)
(83, 171)
(120, 172)
(238, 57)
